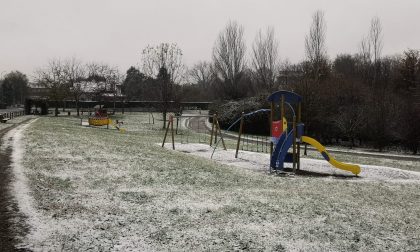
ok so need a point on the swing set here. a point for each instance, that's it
(283, 135)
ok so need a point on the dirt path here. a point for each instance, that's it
(12, 222)
(198, 124)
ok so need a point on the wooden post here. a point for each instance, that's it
(239, 135)
(217, 123)
(171, 121)
(166, 133)
(212, 129)
(220, 132)
(294, 144)
(177, 122)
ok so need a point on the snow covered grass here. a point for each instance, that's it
(98, 189)
(389, 161)
(15, 121)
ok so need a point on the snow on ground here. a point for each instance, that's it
(260, 162)
(20, 186)
(93, 189)
(14, 121)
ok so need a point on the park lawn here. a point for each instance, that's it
(410, 165)
(14, 121)
(98, 189)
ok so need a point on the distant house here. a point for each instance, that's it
(34, 91)
(91, 91)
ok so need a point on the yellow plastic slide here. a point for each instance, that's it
(355, 169)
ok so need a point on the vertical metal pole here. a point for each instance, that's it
(271, 131)
(239, 135)
(282, 108)
(298, 145)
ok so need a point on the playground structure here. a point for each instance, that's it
(101, 118)
(202, 130)
(286, 135)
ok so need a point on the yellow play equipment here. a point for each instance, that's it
(117, 124)
(355, 169)
(100, 118)
(99, 121)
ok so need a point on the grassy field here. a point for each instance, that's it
(14, 121)
(98, 189)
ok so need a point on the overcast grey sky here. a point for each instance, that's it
(116, 31)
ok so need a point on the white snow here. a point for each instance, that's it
(260, 162)
(20, 186)
(91, 189)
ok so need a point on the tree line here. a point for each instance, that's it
(366, 98)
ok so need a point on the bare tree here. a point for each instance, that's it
(96, 75)
(53, 78)
(315, 47)
(370, 49)
(376, 37)
(202, 73)
(410, 70)
(164, 55)
(365, 50)
(75, 76)
(164, 62)
(265, 58)
(229, 57)
(104, 80)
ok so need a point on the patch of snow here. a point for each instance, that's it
(20, 187)
(261, 161)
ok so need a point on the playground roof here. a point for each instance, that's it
(289, 97)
